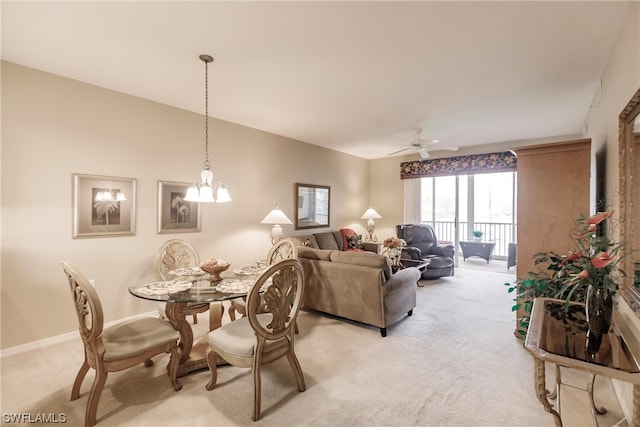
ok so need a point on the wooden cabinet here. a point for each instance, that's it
(553, 189)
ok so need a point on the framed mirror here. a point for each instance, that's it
(312, 206)
(629, 163)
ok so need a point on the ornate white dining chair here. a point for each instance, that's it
(118, 347)
(282, 249)
(175, 254)
(266, 333)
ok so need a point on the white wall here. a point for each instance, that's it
(54, 127)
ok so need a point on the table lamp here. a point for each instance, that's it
(276, 217)
(371, 214)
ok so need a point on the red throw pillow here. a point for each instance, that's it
(346, 232)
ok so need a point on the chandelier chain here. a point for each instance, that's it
(207, 164)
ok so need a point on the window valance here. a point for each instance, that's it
(460, 165)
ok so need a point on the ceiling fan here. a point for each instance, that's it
(422, 146)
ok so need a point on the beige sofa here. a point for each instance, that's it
(332, 240)
(357, 285)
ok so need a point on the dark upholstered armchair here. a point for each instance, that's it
(422, 243)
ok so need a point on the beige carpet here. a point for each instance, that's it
(455, 362)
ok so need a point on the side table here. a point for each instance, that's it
(420, 264)
(560, 338)
(483, 250)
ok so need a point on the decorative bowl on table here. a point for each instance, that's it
(215, 267)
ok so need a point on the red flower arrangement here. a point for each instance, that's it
(595, 262)
(394, 242)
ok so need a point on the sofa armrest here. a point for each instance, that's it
(371, 247)
(405, 277)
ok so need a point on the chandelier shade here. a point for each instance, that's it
(207, 190)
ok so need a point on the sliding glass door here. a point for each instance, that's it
(457, 205)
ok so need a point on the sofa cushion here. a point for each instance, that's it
(344, 235)
(326, 240)
(337, 235)
(318, 254)
(367, 259)
(354, 242)
(308, 241)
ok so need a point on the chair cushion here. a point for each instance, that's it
(239, 339)
(136, 336)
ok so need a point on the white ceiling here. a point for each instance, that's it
(355, 76)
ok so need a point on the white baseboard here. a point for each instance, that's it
(36, 345)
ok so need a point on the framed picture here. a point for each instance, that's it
(103, 206)
(175, 215)
(312, 206)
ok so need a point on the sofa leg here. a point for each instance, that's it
(383, 332)
(410, 313)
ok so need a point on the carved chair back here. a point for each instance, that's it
(282, 249)
(88, 308)
(284, 283)
(174, 254)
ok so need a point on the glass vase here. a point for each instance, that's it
(599, 309)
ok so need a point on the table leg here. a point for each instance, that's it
(556, 390)
(594, 409)
(541, 390)
(193, 355)
(177, 317)
(635, 417)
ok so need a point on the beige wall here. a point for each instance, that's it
(53, 127)
(620, 81)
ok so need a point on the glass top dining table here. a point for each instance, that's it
(198, 289)
(194, 290)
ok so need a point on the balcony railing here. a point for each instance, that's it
(502, 233)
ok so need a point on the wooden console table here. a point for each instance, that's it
(560, 338)
(483, 250)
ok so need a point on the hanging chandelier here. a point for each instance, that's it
(207, 190)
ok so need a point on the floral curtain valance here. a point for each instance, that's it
(460, 165)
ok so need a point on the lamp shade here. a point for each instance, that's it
(370, 214)
(276, 216)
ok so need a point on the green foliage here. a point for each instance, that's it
(593, 262)
(548, 282)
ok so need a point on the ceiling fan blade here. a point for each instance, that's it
(399, 151)
(423, 152)
(449, 148)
